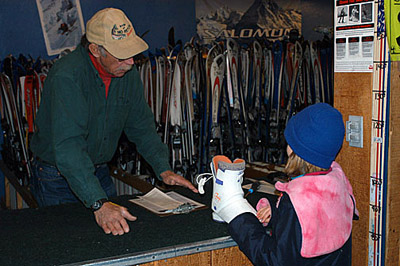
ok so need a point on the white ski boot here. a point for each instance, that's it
(227, 200)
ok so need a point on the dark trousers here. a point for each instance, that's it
(49, 187)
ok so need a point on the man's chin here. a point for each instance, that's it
(120, 73)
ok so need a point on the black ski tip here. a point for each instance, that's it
(171, 37)
(144, 34)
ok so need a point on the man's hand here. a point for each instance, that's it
(170, 178)
(111, 217)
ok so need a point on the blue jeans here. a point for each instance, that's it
(49, 187)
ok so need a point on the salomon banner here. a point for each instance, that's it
(238, 19)
(392, 15)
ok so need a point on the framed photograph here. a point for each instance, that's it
(62, 24)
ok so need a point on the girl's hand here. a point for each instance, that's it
(263, 211)
(264, 215)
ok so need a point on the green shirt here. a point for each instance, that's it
(78, 127)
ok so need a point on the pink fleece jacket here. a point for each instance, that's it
(324, 207)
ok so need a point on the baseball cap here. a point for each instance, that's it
(111, 29)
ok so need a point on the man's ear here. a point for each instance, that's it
(94, 49)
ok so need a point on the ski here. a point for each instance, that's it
(19, 156)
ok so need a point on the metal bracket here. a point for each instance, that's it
(354, 131)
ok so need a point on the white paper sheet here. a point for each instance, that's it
(160, 203)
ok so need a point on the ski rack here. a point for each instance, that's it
(226, 98)
(21, 82)
(235, 99)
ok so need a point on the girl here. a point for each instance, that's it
(312, 221)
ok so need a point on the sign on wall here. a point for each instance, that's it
(354, 35)
(392, 16)
(62, 24)
(240, 19)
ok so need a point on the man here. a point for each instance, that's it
(90, 97)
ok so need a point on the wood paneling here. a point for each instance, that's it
(353, 96)
(220, 257)
(229, 256)
(393, 195)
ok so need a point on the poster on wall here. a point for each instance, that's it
(243, 20)
(354, 35)
(392, 19)
(62, 24)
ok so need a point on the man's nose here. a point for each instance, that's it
(129, 61)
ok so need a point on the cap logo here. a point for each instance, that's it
(120, 32)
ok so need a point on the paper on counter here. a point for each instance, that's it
(264, 187)
(159, 202)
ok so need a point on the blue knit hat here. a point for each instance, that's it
(316, 134)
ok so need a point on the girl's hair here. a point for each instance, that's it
(296, 166)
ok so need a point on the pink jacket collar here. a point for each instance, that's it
(324, 208)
